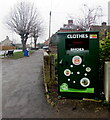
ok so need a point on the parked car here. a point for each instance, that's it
(46, 48)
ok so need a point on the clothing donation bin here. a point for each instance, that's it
(78, 64)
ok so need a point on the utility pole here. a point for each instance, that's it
(109, 13)
(50, 25)
(50, 19)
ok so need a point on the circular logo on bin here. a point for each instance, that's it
(67, 72)
(88, 69)
(85, 82)
(77, 60)
(64, 86)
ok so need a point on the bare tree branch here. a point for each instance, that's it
(23, 19)
(90, 17)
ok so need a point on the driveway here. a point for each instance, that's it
(23, 94)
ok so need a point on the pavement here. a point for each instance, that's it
(23, 94)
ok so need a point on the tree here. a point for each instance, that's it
(105, 46)
(90, 16)
(23, 19)
(37, 31)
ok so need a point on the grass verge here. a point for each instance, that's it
(18, 55)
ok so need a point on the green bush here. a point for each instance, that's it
(18, 55)
(105, 47)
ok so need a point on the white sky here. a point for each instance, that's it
(61, 9)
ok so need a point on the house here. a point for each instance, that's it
(103, 29)
(103, 26)
(69, 27)
(53, 44)
(6, 42)
(32, 45)
(19, 46)
(46, 43)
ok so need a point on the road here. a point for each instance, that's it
(23, 94)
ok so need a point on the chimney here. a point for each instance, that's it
(70, 22)
(104, 24)
(65, 25)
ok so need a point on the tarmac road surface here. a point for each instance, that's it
(23, 94)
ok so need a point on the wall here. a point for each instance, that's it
(49, 68)
(7, 47)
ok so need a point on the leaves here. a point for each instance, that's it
(105, 46)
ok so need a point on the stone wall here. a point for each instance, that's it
(48, 68)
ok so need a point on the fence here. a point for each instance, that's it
(7, 47)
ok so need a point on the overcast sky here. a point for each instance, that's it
(61, 10)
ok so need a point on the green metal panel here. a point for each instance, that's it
(78, 64)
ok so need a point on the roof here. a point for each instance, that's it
(46, 42)
(80, 32)
(6, 42)
(100, 27)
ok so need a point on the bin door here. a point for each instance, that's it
(76, 74)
